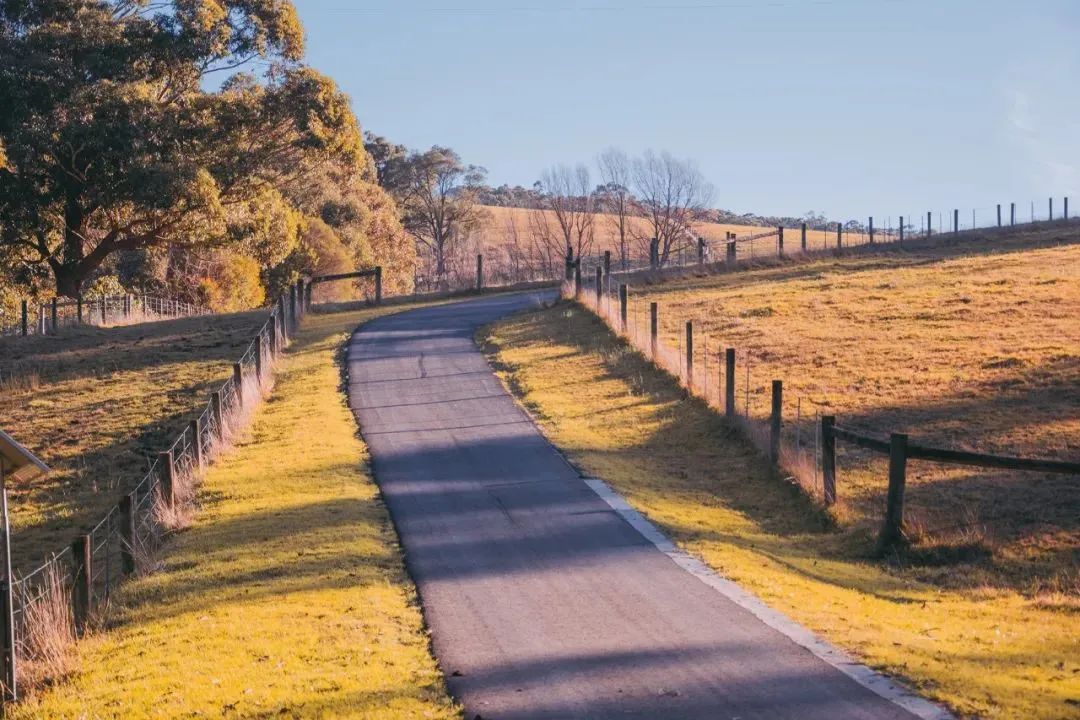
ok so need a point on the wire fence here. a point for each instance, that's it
(49, 317)
(72, 588)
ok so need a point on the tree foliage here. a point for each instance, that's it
(110, 141)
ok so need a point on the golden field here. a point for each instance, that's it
(987, 649)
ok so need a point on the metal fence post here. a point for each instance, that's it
(828, 459)
(775, 419)
(127, 533)
(7, 606)
(729, 382)
(892, 532)
(624, 292)
(81, 578)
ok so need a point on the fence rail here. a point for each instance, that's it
(72, 588)
(47, 318)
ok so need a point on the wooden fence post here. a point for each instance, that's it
(127, 533)
(701, 251)
(79, 309)
(1066, 216)
(196, 432)
(599, 286)
(690, 354)
(218, 415)
(623, 302)
(654, 253)
(999, 214)
(780, 241)
(775, 420)
(839, 237)
(955, 221)
(258, 359)
(479, 272)
(929, 223)
(168, 477)
(378, 285)
(81, 579)
(238, 381)
(55, 315)
(274, 337)
(1012, 214)
(892, 532)
(1050, 216)
(654, 317)
(729, 382)
(607, 263)
(802, 233)
(828, 459)
(25, 323)
(871, 228)
(577, 278)
(104, 309)
(292, 305)
(900, 241)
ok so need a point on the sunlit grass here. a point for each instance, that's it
(287, 596)
(989, 652)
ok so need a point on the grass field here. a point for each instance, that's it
(287, 597)
(96, 404)
(959, 347)
(495, 235)
(987, 651)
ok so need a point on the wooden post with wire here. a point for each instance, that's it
(731, 249)
(828, 459)
(780, 241)
(127, 533)
(729, 382)
(690, 354)
(217, 414)
(168, 477)
(599, 285)
(775, 420)
(81, 578)
(654, 327)
(25, 324)
(892, 532)
(196, 432)
(479, 272)
(238, 381)
(623, 301)
(803, 233)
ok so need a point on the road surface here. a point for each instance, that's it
(543, 602)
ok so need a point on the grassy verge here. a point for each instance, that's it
(97, 404)
(970, 345)
(287, 597)
(990, 652)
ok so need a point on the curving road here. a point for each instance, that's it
(543, 601)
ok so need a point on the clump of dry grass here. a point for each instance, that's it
(46, 643)
(19, 378)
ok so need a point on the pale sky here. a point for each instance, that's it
(848, 107)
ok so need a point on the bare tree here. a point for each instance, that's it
(567, 193)
(673, 194)
(615, 195)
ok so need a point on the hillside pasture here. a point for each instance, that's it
(971, 346)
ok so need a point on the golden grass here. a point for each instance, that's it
(959, 347)
(494, 235)
(994, 653)
(96, 404)
(287, 596)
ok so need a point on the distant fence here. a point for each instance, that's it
(801, 455)
(47, 318)
(67, 593)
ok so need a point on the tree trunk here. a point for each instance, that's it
(69, 280)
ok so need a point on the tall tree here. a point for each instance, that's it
(439, 205)
(111, 143)
(615, 195)
(673, 194)
(567, 193)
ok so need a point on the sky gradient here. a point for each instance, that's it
(847, 107)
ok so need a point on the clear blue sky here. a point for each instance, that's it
(848, 107)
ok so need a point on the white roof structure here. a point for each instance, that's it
(17, 462)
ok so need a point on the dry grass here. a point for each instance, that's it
(45, 651)
(104, 402)
(987, 652)
(959, 347)
(286, 597)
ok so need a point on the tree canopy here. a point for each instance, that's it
(113, 137)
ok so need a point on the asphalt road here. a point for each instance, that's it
(542, 601)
